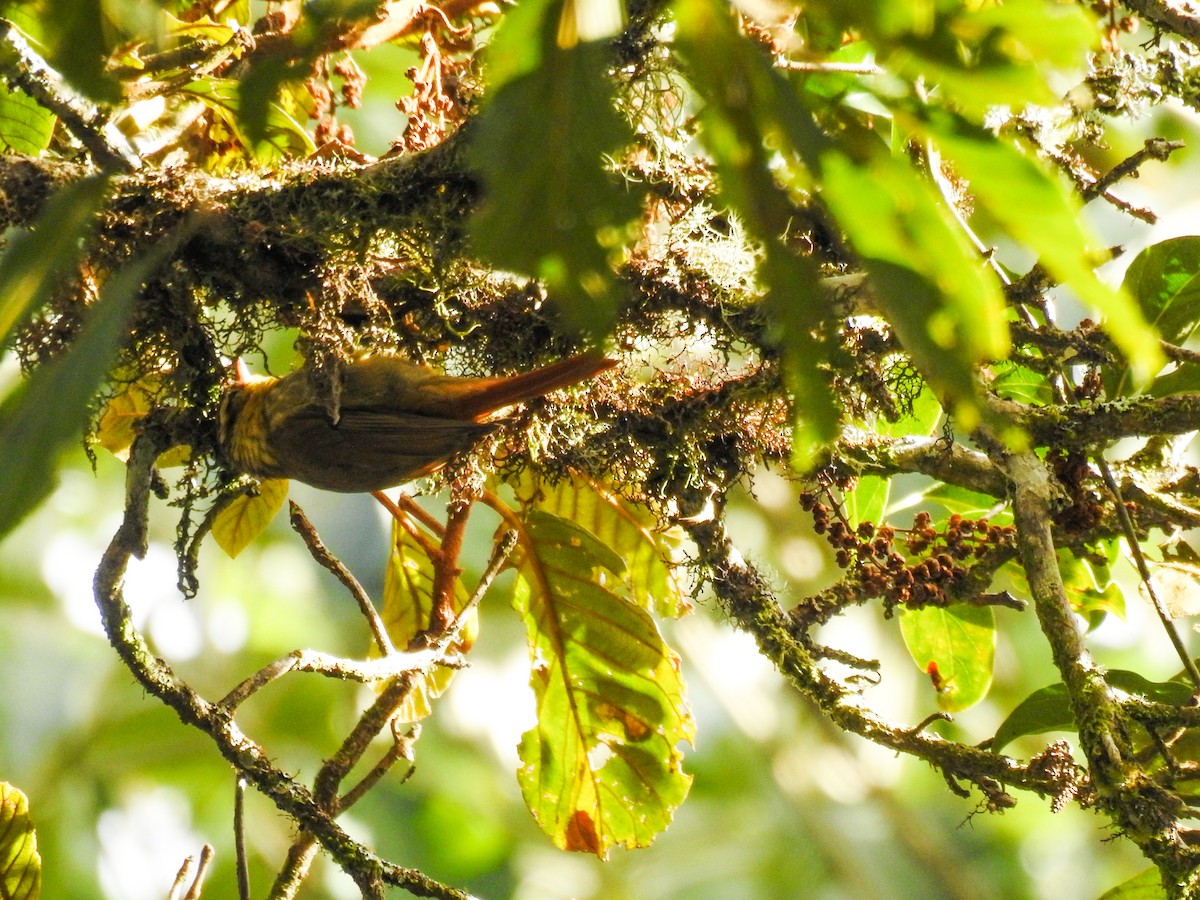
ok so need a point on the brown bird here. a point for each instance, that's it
(397, 420)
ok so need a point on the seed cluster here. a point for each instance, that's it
(916, 567)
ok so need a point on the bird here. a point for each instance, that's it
(396, 420)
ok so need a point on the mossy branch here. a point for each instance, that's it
(369, 872)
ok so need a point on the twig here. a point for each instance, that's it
(304, 528)
(819, 67)
(259, 679)
(181, 877)
(1169, 17)
(500, 554)
(1139, 559)
(445, 567)
(401, 749)
(239, 838)
(404, 518)
(369, 671)
(206, 855)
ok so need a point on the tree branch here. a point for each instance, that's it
(369, 872)
(751, 604)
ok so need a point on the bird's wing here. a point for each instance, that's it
(368, 449)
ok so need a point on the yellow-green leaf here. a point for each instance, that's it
(603, 766)
(238, 524)
(407, 604)
(955, 647)
(1146, 885)
(25, 127)
(20, 863)
(652, 554)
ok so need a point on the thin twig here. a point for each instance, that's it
(258, 680)
(304, 528)
(445, 567)
(1139, 558)
(404, 518)
(181, 878)
(370, 671)
(401, 749)
(818, 67)
(206, 856)
(239, 838)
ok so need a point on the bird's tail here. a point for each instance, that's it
(491, 394)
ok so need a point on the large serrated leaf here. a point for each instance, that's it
(651, 554)
(955, 646)
(248, 516)
(42, 416)
(20, 863)
(407, 605)
(603, 766)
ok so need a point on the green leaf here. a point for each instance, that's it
(1046, 709)
(77, 47)
(38, 259)
(1146, 885)
(976, 55)
(20, 863)
(1041, 211)
(25, 127)
(248, 516)
(747, 106)
(267, 130)
(551, 210)
(894, 217)
(922, 420)
(968, 504)
(1164, 281)
(1183, 380)
(955, 647)
(45, 413)
(652, 555)
(917, 313)
(1090, 588)
(868, 501)
(261, 116)
(1049, 708)
(603, 765)
(1020, 383)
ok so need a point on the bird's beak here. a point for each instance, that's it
(241, 372)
